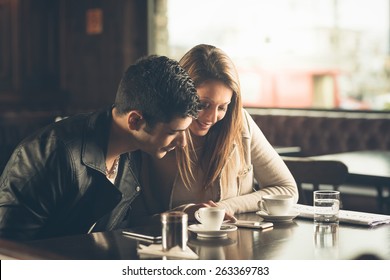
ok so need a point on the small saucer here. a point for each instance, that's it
(202, 233)
(211, 242)
(275, 218)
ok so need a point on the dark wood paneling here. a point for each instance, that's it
(8, 29)
(29, 67)
(95, 63)
(39, 55)
(48, 61)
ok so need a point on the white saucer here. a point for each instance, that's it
(274, 218)
(198, 229)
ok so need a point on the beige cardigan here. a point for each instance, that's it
(236, 193)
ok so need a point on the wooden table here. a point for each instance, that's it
(300, 240)
(287, 150)
(370, 168)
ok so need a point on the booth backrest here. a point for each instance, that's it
(15, 126)
(316, 132)
(319, 132)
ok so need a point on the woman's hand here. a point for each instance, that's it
(191, 209)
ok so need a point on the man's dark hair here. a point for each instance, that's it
(159, 88)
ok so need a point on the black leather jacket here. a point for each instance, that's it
(54, 183)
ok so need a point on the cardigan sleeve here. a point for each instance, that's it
(269, 169)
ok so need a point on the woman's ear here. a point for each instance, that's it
(135, 120)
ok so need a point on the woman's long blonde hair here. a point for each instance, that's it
(208, 63)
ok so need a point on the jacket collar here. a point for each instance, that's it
(95, 140)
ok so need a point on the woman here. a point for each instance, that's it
(228, 149)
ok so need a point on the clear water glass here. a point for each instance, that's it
(326, 206)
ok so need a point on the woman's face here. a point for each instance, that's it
(215, 97)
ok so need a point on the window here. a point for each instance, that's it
(290, 53)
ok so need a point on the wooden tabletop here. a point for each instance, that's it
(300, 239)
(374, 164)
(369, 168)
(287, 150)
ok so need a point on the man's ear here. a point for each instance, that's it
(135, 120)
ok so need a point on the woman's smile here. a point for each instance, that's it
(215, 98)
(203, 125)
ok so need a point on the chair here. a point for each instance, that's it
(316, 173)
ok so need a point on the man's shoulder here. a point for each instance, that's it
(65, 130)
(75, 126)
(66, 133)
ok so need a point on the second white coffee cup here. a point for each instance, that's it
(211, 218)
(276, 204)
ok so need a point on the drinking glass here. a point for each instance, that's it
(326, 206)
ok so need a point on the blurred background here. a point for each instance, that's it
(294, 53)
(68, 55)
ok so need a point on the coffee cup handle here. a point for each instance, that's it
(197, 216)
(262, 206)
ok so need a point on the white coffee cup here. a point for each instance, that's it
(211, 218)
(276, 205)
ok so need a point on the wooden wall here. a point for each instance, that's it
(52, 59)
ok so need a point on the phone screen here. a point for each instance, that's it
(151, 234)
(253, 224)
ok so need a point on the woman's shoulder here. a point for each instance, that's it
(248, 124)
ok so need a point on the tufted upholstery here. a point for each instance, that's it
(323, 132)
(316, 132)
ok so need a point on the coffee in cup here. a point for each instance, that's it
(211, 218)
(276, 205)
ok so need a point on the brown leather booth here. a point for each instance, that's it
(15, 126)
(319, 132)
(316, 132)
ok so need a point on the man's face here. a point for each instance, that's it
(164, 137)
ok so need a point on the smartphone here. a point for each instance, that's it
(253, 224)
(150, 234)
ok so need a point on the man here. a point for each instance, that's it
(84, 172)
